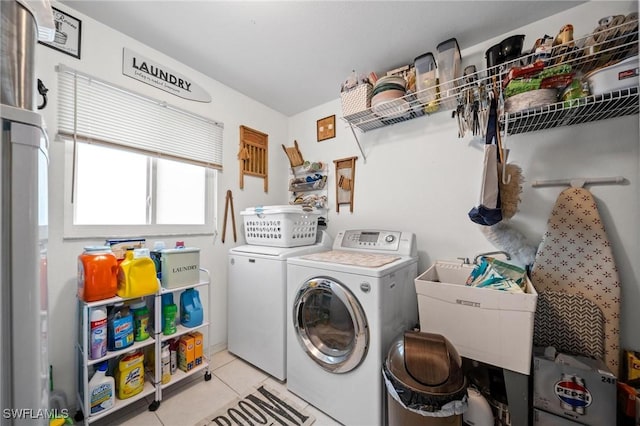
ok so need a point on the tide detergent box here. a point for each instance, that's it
(575, 387)
(198, 342)
(186, 353)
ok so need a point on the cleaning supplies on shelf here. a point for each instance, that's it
(98, 332)
(165, 356)
(169, 314)
(191, 313)
(97, 274)
(120, 328)
(130, 375)
(140, 320)
(137, 275)
(101, 390)
(186, 353)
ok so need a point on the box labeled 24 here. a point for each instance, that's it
(578, 388)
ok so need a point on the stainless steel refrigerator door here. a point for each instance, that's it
(24, 286)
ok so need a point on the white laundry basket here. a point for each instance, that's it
(280, 226)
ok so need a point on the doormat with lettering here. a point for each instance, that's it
(262, 406)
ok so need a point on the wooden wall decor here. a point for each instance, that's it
(254, 155)
(326, 128)
(294, 155)
(345, 181)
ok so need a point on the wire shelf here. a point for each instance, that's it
(605, 45)
(583, 110)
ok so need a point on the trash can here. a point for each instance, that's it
(425, 382)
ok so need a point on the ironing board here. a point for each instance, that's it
(575, 258)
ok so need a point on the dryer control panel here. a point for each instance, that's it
(402, 243)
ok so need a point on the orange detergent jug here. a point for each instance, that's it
(137, 275)
(97, 274)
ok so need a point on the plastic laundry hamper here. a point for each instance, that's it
(280, 226)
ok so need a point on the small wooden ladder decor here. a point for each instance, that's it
(254, 155)
(294, 155)
(345, 181)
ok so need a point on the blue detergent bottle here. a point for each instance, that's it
(191, 312)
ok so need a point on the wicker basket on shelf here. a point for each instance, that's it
(357, 99)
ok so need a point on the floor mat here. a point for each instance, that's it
(259, 406)
(575, 257)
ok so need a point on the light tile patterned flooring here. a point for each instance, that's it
(188, 402)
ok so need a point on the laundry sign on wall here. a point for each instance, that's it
(143, 69)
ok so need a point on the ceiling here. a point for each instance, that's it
(293, 55)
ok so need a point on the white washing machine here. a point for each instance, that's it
(345, 307)
(257, 294)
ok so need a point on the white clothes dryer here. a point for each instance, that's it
(257, 295)
(345, 307)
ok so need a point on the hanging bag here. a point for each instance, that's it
(488, 212)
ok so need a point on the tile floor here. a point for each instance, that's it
(188, 402)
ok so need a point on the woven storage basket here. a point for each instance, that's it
(356, 100)
(280, 226)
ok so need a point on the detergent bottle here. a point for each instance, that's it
(169, 314)
(119, 328)
(101, 390)
(137, 275)
(98, 332)
(97, 274)
(191, 313)
(140, 320)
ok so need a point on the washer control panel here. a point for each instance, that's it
(370, 240)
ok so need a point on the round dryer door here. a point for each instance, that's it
(330, 325)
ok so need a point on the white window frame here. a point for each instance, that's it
(86, 114)
(73, 231)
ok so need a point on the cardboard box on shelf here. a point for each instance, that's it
(198, 342)
(575, 387)
(186, 353)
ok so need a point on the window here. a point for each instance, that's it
(128, 168)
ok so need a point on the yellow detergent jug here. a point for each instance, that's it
(137, 275)
(130, 375)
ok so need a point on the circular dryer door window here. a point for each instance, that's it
(331, 325)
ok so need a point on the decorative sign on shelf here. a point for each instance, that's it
(140, 68)
(68, 33)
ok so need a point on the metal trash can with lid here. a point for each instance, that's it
(425, 382)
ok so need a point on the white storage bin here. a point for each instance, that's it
(280, 226)
(179, 267)
(483, 324)
(621, 75)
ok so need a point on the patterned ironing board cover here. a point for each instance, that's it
(575, 257)
(368, 260)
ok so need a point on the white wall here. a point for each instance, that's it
(101, 56)
(419, 177)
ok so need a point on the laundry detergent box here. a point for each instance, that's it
(197, 347)
(186, 352)
(574, 387)
(491, 326)
(179, 267)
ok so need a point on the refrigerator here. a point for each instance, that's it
(24, 363)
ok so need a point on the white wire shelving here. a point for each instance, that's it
(604, 46)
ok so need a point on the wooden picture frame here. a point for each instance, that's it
(326, 128)
(68, 33)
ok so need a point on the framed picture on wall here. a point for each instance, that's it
(68, 34)
(326, 128)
